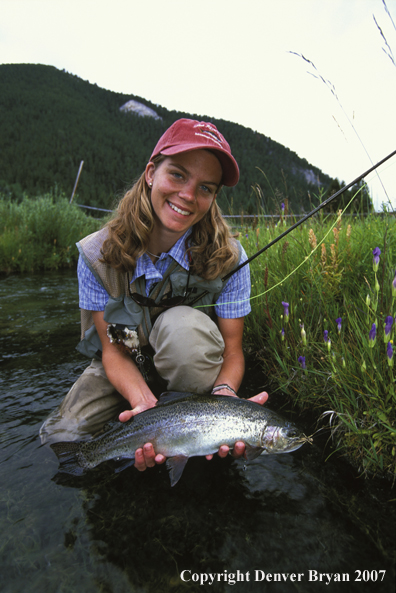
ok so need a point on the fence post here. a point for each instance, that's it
(77, 178)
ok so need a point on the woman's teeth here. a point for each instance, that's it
(176, 209)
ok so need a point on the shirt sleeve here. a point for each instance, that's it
(234, 300)
(92, 295)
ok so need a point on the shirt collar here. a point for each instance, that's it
(145, 267)
(178, 251)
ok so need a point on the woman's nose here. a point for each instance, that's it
(187, 192)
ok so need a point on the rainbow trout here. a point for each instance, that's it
(184, 425)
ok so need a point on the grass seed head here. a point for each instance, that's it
(312, 239)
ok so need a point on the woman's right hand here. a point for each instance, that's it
(127, 414)
(144, 456)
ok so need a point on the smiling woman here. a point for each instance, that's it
(166, 249)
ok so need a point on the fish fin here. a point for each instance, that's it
(124, 464)
(176, 466)
(67, 451)
(168, 397)
(252, 452)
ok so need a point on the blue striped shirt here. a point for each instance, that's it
(233, 301)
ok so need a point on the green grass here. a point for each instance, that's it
(40, 234)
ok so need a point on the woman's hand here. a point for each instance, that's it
(127, 414)
(144, 456)
(239, 447)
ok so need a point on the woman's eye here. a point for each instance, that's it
(207, 190)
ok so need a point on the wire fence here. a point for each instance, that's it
(254, 216)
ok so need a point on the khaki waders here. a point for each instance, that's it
(188, 349)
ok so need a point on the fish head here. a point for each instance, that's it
(282, 439)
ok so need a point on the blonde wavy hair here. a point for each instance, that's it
(213, 250)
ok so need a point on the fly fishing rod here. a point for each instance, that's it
(322, 205)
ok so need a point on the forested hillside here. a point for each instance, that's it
(50, 120)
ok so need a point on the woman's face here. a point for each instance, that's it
(183, 188)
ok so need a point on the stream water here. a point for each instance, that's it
(286, 523)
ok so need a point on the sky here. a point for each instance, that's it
(314, 75)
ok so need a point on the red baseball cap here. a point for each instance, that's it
(188, 134)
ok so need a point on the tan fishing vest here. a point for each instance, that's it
(121, 309)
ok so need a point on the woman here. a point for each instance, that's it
(152, 276)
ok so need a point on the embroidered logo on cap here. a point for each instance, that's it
(210, 133)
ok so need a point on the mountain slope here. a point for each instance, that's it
(50, 120)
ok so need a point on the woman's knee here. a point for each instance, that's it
(188, 348)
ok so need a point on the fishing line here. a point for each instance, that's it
(339, 216)
(295, 225)
(308, 256)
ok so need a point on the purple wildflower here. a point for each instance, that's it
(372, 335)
(301, 360)
(394, 286)
(286, 310)
(376, 258)
(283, 207)
(283, 334)
(388, 327)
(338, 322)
(325, 335)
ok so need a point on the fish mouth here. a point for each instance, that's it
(280, 442)
(297, 442)
(179, 210)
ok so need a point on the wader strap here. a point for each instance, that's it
(157, 293)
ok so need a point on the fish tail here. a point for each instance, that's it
(67, 453)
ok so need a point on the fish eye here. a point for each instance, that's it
(293, 432)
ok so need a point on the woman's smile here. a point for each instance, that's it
(176, 209)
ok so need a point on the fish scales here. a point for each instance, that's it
(183, 426)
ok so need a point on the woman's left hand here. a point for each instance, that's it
(239, 447)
